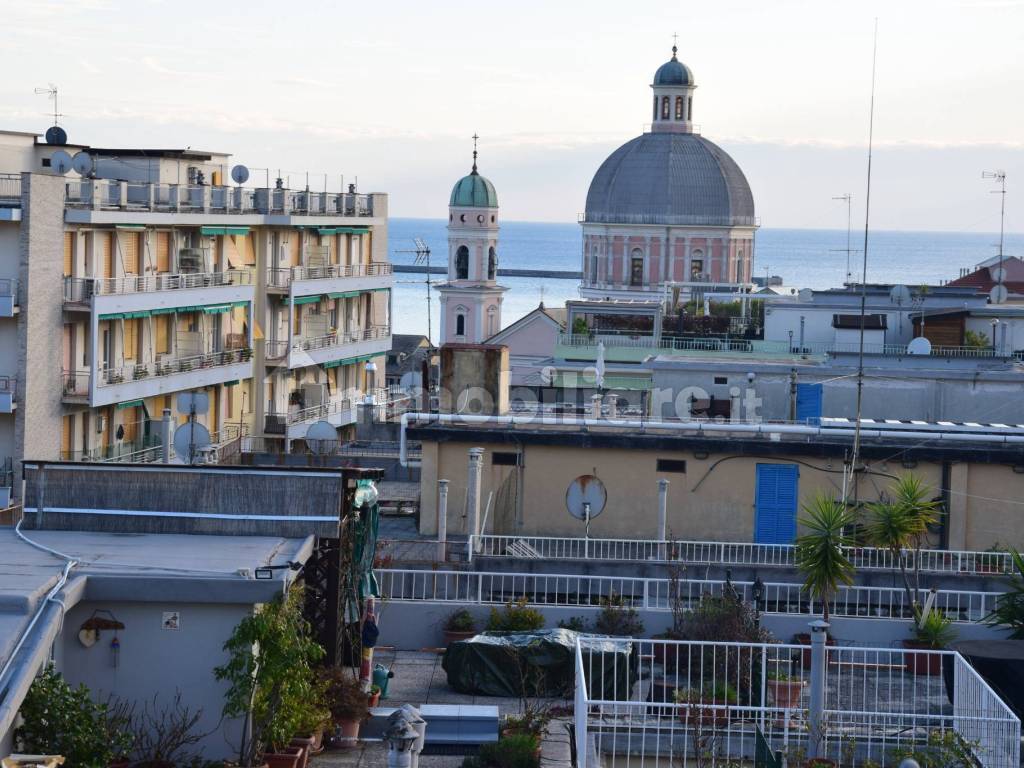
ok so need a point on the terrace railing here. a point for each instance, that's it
(341, 338)
(81, 289)
(171, 366)
(662, 595)
(662, 703)
(726, 553)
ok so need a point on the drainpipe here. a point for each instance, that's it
(165, 437)
(662, 516)
(802, 334)
(442, 520)
(947, 478)
(473, 483)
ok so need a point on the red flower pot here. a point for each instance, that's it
(922, 663)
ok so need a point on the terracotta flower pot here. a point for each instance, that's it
(373, 699)
(305, 743)
(348, 730)
(453, 635)
(922, 663)
(289, 757)
(785, 693)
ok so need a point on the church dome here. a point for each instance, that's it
(673, 72)
(474, 191)
(670, 178)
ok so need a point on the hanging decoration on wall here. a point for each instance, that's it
(89, 631)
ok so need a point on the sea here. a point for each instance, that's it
(803, 258)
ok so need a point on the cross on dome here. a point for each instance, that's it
(475, 137)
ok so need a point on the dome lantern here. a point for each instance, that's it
(673, 88)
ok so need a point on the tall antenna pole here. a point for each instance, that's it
(847, 198)
(864, 274)
(1000, 177)
(51, 92)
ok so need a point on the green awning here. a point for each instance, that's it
(129, 404)
(343, 295)
(164, 311)
(138, 313)
(306, 299)
(572, 380)
(115, 316)
(216, 309)
(207, 231)
(234, 383)
(374, 290)
(351, 360)
(240, 304)
(131, 227)
(327, 230)
(353, 230)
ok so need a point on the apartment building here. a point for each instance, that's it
(151, 275)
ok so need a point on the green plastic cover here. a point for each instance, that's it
(543, 662)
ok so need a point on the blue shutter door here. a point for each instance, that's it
(775, 503)
(808, 403)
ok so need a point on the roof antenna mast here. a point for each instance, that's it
(51, 92)
(855, 457)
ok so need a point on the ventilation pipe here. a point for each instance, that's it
(662, 514)
(473, 483)
(442, 520)
(612, 401)
(595, 406)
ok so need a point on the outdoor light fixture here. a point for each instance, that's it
(265, 572)
(909, 463)
(700, 455)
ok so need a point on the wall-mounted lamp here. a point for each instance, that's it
(700, 455)
(265, 572)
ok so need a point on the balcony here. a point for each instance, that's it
(274, 350)
(160, 377)
(338, 411)
(161, 291)
(340, 279)
(336, 348)
(8, 297)
(10, 190)
(8, 391)
(113, 195)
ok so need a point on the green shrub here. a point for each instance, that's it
(515, 617)
(510, 752)
(935, 630)
(61, 720)
(460, 621)
(574, 623)
(617, 619)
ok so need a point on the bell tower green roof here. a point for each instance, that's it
(474, 191)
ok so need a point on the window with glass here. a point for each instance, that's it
(462, 263)
(492, 263)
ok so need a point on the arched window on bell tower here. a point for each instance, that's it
(492, 263)
(460, 324)
(679, 107)
(462, 263)
(664, 107)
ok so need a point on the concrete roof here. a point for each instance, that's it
(114, 566)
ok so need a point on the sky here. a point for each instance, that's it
(390, 93)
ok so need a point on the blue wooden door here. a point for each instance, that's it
(775, 502)
(808, 403)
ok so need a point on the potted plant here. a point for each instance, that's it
(785, 689)
(1009, 608)
(311, 722)
(510, 752)
(516, 616)
(707, 705)
(529, 725)
(271, 679)
(460, 625)
(932, 632)
(373, 697)
(617, 619)
(347, 702)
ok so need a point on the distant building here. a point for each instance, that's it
(405, 359)
(668, 206)
(471, 299)
(151, 274)
(984, 277)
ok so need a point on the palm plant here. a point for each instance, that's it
(820, 554)
(899, 524)
(1009, 610)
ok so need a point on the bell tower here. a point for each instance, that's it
(471, 299)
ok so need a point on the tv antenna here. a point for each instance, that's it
(422, 257)
(847, 198)
(1000, 178)
(51, 93)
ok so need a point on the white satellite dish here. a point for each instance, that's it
(322, 437)
(585, 498)
(410, 380)
(919, 346)
(82, 163)
(190, 442)
(189, 402)
(240, 174)
(998, 274)
(899, 294)
(60, 162)
(998, 294)
(805, 294)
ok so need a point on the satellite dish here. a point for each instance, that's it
(583, 491)
(899, 294)
(82, 163)
(998, 294)
(806, 294)
(410, 380)
(998, 274)
(193, 401)
(190, 440)
(240, 174)
(919, 346)
(60, 162)
(322, 437)
(56, 135)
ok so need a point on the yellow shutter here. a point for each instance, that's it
(297, 327)
(131, 424)
(130, 252)
(68, 254)
(294, 244)
(103, 242)
(231, 250)
(131, 332)
(107, 414)
(163, 251)
(161, 329)
(65, 437)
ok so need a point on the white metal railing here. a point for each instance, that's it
(333, 407)
(725, 553)
(81, 289)
(327, 271)
(111, 194)
(341, 338)
(633, 340)
(170, 366)
(585, 591)
(10, 188)
(661, 703)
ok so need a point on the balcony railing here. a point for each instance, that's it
(10, 190)
(754, 347)
(8, 385)
(171, 366)
(316, 412)
(329, 271)
(75, 384)
(727, 553)
(109, 194)
(340, 338)
(279, 277)
(79, 290)
(274, 349)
